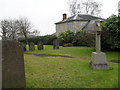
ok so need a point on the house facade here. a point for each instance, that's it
(119, 8)
(76, 22)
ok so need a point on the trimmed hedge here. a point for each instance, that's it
(47, 40)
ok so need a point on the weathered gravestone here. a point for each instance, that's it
(13, 73)
(99, 61)
(40, 46)
(55, 44)
(0, 64)
(24, 47)
(31, 46)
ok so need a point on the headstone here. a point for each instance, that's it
(0, 64)
(13, 73)
(40, 46)
(31, 46)
(24, 47)
(55, 44)
(99, 61)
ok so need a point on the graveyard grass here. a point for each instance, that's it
(59, 72)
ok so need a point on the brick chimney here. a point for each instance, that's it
(64, 16)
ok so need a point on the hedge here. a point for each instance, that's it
(47, 40)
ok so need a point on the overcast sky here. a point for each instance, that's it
(44, 13)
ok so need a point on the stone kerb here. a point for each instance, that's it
(13, 73)
(31, 46)
(40, 46)
(55, 44)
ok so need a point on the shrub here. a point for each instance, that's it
(84, 38)
(80, 38)
(66, 37)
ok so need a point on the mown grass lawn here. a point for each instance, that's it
(59, 72)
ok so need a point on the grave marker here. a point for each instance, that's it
(55, 44)
(99, 61)
(31, 46)
(40, 46)
(13, 73)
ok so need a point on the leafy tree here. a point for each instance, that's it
(111, 25)
(111, 32)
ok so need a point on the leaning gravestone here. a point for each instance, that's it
(40, 46)
(55, 44)
(99, 61)
(31, 46)
(13, 73)
(0, 64)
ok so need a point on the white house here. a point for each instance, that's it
(119, 8)
(76, 22)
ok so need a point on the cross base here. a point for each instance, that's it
(99, 61)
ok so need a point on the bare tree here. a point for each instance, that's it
(73, 7)
(36, 32)
(14, 29)
(4, 29)
(9, 29)
(24, 27)
(89, 7)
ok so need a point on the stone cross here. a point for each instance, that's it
(99, 61)
(31, 46)
(98, 30)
